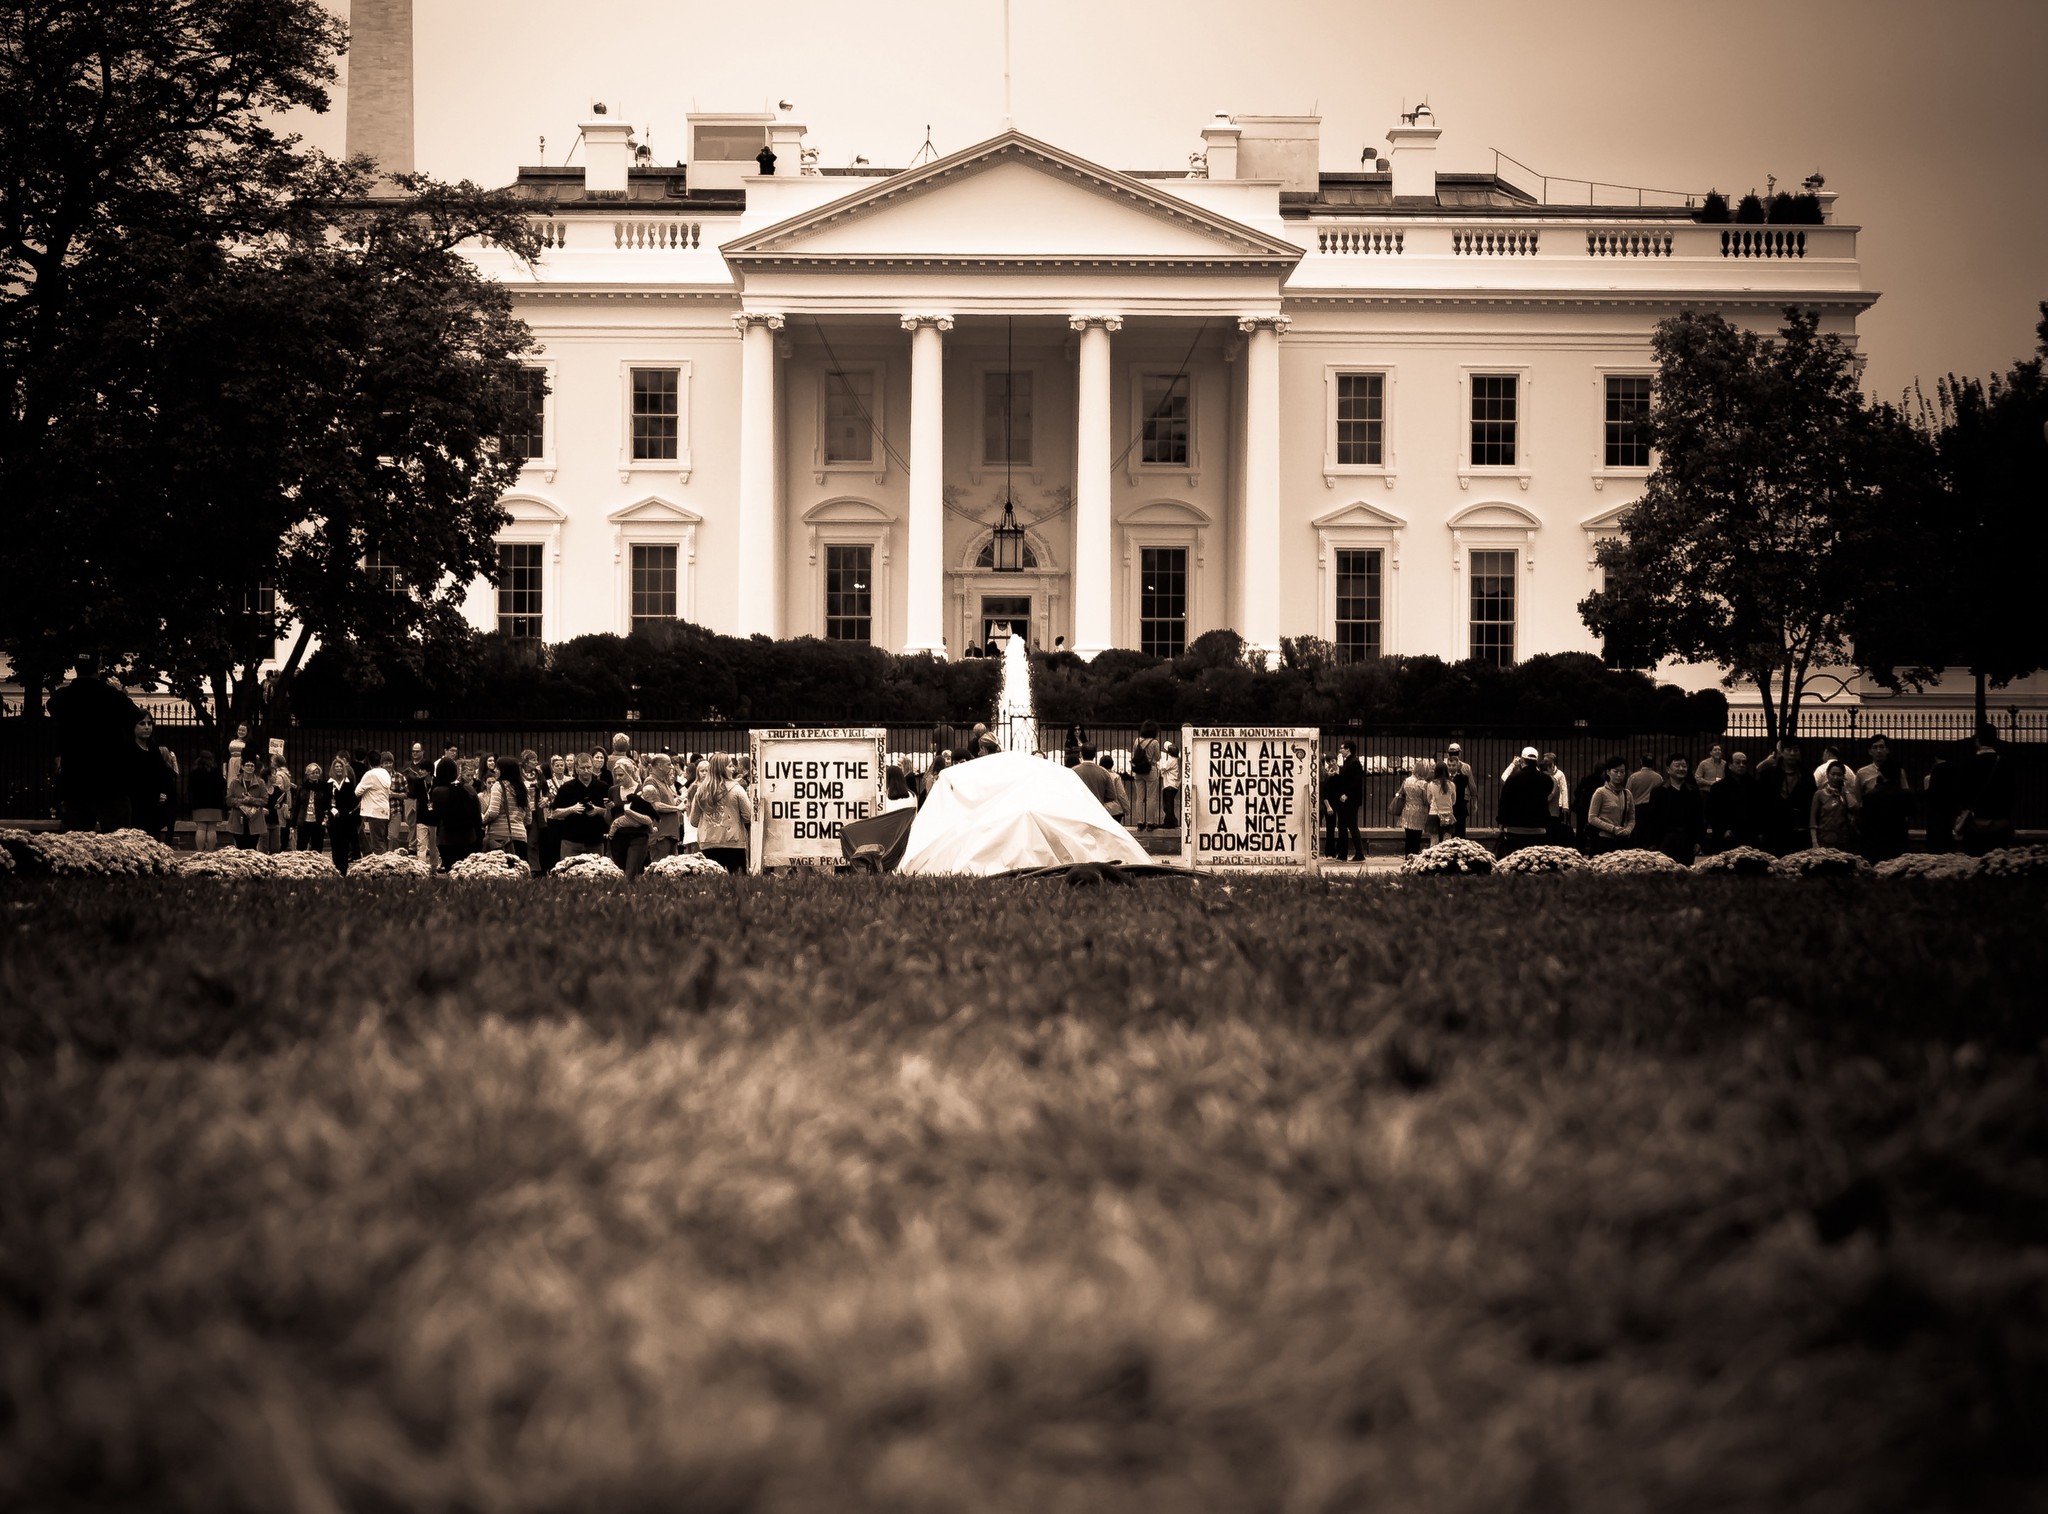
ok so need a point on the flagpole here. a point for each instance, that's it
(1009, 121)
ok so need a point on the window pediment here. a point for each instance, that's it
(1494, 515)
(1164, 512)
(654, 511)
(531, 509)
(1359, 516)
(848, 512)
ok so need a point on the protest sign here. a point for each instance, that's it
(1249, 797)
(807, 786)
(277, 747)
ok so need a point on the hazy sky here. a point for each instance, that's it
(1930, 118)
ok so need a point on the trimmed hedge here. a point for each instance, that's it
(685, 672)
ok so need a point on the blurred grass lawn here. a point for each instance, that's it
(1473, 1195)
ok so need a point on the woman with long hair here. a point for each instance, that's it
(209, 800)
(342, 806)
(1443, 803)
(310, 810)
(722, 814)
(507, 804)
(248, 802)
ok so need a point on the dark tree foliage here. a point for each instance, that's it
(1713, 210)
(231, 379)
(1773, 517)
(1968, 591)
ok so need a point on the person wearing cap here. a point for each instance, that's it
(1525, 795)
(1461, 779)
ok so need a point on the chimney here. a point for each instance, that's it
(1411, 152)
(607, 151)
(1219, 141)
(380, 83)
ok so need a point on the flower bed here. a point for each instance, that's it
(82, 854)
(1743, 861)
(305, 866)
(589, 867)
(1542, 859)
(1820, 862)
(1636, 861)
(684, 865)
(229, 862)
(389, 865)
(1456, 855)
(2015, 862)
(495, 866)
(1928, 865)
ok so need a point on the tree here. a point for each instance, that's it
(1967, 597)
(1771, 512)
(249, 399)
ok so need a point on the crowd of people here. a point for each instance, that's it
(1781, 804)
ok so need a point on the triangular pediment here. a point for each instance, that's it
(1012, 199)
(1607, 520)
(1359, 516)
(655, 511)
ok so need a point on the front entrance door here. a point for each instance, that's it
(1004, 613)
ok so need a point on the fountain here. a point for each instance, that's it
(1016, 725)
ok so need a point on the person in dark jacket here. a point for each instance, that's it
(95, 732)
(1347, 793)
(1734, 809)
(458, 815)
(1785, 791)
(1989, 795)
(1525, 803)
(209, 796)
(1887, 794)
(152, 782)
(342, 811)
(1672, 818)
(310, 809)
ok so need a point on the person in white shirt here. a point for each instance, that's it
(373, 789)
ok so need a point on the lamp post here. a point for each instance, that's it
(1008, 551)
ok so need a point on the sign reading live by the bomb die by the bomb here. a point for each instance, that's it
(1249, 796)
(807, 786)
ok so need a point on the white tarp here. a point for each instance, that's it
(1009, 810)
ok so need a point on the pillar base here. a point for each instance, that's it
(912, 649)
(1089, 654)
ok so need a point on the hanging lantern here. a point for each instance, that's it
(1008, 554)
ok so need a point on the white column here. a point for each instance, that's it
(925, 562)
(1091, 486)
(759, 572)
(1258, 565)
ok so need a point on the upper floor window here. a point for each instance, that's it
(519, 589)
(1165, 429)
(1496, 419)
(1361, 419)
(1006, 419)
(526, 434)
(1628, 420)
(657, 414)
(849, 415)
(654, 583)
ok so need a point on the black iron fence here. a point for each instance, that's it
(28, 748)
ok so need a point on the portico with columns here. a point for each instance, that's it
(1001, 325)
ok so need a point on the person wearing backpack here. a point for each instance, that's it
(1144, 785)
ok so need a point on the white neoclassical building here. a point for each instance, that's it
(1393, 408)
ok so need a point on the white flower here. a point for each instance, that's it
(2015, 862)
(498, 866)
(229, 862)
(389, 865)
(1457, 855)
(590, 867)
(1636, 860)
(305, 865)
(1541, 859)
(684, 865)
(1745, 861)
(1820, 862)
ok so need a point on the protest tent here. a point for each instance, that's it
(1011, 810)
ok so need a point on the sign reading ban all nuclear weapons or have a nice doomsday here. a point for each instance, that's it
(1249, 796)
(808, 785)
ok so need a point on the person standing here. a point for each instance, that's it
(1671, 820)
(209, 795)
(1561, 830)
(311, 808)
(152, 782)
(1711, 770)
(507, 805)
(458, 818)
(666, 800)
(1785, 789)
(1832, 812)
(723, 815)
(1734, 812)
(1347, 793)
(1107, 788)
(1644, 781)
(1989, 796)
(278, 816)
(1441, 818)
(374, 790)
(95, 731)
(343, 812)
(1169, 785)
(248, 804)
(1410, 806)
(1144, 785)
(1525, 794)
(1886, 793)
(1461, 779)
(1611, 811)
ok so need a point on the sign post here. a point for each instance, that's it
(807, 786)
(1249, 797)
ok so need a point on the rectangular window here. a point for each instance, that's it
(1163, 601)
(1495, 419)
(654, 584)
(1493, 607)
(526, 434)
(1358, 604)
(1006, 419)
(849, 415)
(383, 571)
(519, 589)
(1361, 419)
(1164, 433)
(849, 593)
(1628, 420)
(656, 416)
